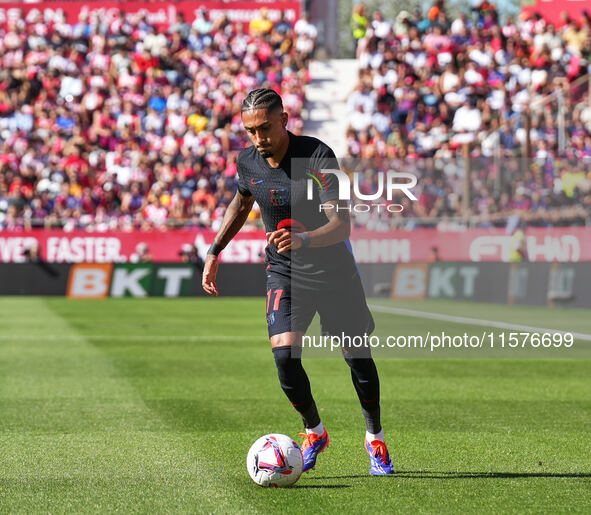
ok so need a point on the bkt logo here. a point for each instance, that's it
(390, 182)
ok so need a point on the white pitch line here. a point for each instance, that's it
(473, 321)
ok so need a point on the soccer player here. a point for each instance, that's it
(310, 267)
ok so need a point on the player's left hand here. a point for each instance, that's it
(284, 240)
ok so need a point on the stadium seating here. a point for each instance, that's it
(429, 84)
(118, 126)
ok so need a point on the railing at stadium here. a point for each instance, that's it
(558, 95)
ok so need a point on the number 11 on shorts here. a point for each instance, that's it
(278, 294)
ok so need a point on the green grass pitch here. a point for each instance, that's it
(150, 405)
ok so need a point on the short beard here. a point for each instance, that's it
(265, 153)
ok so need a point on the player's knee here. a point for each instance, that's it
(360, 362)
(290, 339)
(282, 340)
(356, 352)
(281, 352)
(283, 356)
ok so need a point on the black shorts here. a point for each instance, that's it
(340, 304)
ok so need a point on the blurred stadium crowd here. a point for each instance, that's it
(429, 84)
(119, 126)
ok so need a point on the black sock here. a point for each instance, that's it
(367, 385)
(294, 382)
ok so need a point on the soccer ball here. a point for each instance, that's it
(275, 460)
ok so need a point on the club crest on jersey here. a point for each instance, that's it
(279, 197)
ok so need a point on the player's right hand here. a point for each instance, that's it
(210, 271)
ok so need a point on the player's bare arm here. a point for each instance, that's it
(233, 221)
(336, 230)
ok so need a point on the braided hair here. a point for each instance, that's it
(262, 98)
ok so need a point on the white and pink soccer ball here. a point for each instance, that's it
(275, 460)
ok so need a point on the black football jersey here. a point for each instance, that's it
(282, 194)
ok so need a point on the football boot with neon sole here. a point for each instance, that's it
(312, 446)
(381, 464)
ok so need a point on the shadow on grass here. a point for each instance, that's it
(427, 474)
(323, 486)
